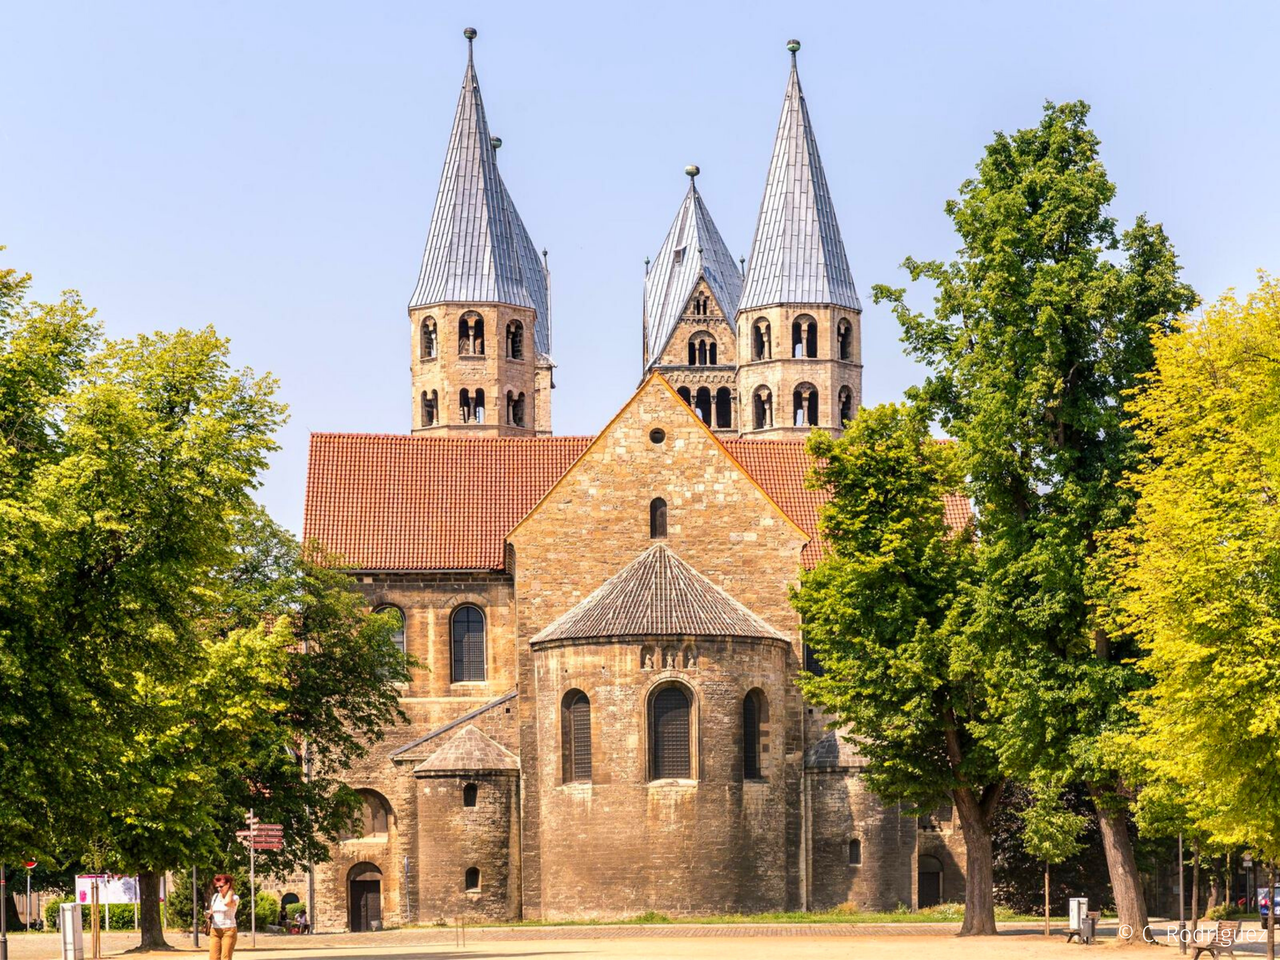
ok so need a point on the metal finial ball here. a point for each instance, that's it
(469, 33)
(793, 45)
(495, 142)
(692, 170)
(646, 261)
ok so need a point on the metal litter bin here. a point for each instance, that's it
(1088, 929)
(72, 931)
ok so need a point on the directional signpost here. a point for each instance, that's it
(258, 836)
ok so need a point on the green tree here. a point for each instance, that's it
(1198, 565)
(886, 613)
(1041, 328)
(1050, 832)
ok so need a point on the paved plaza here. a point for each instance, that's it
(906, 941)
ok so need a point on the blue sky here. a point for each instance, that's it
(270, 167)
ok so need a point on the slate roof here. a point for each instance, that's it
(657, 595)
(797, 255)
(702, 253)
(390, 502)
(469, 750)
(832, 751)
(477, 247)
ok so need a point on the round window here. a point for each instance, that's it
(657, 435)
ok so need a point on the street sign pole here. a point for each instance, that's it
(4, 924)
(1182, 900)
(253, 895)
(195, 908)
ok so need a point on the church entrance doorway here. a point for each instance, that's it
(930, 882)
(364, 898)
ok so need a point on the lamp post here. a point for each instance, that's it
(4, 922)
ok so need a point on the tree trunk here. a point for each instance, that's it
(1215, 887)
(1047, 932)
(1195, 885)
(1126, 886)
(979, 896)
(149, 911)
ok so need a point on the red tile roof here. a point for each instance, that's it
(385, 502)
(390, 502)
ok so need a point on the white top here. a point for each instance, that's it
(224, 910)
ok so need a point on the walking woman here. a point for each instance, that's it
(222, 918)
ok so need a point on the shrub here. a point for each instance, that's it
(268, 910)
(122, 914)
(293, 909)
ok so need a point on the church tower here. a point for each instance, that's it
(691, 293)
(799, 321)
(479, 318)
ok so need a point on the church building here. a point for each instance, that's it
(604, 718)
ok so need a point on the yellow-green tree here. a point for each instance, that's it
(1200, 569)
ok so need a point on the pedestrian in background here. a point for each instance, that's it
(222, 918)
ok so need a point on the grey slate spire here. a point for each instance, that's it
(797, 255)
(478, 250)
(692, 250)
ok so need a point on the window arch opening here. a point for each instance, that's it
(471, 880)
(844, 339)
(575, 737)
(515, 340)
(761, 345)
(430, 408)
(471, 334)
(805, 405)
(468, 644)
(762, 408)
(755, 716)
(724, 408)
(670, 734)
(702, 405)
(846, 405)
(470, 792)
(427, 338)
(855, 852)
(657, 518)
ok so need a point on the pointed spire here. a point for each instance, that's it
(693, 250)
(478, 249)
(797, 255)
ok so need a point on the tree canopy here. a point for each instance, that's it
(1041, 328)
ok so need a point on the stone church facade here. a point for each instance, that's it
(603, 719)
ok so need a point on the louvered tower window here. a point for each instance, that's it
(575, 737)
(468, 644)
(669, 735)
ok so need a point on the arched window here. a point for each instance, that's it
(398, 637)
(427, 338)
(761, 342)
(575, 737)
(517, 408)
(846, 405)
(855, 852)
(657, 518)
(804, 336)
(469, 793)
(686, 395)
(929, 871)
(479, 402)
(762, 408)
(844, 339)
(465, 411)
(374, 817)
(515, 340)
(468, 644)
(755, 713)
(724, 408)
(471, 334)
(471, 881)
(702, 349)
(702, 405)
(670, 731)
(430, 408)
(805, 405)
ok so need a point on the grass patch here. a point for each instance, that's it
(943, 913)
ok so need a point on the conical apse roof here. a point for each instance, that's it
(658, 595)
